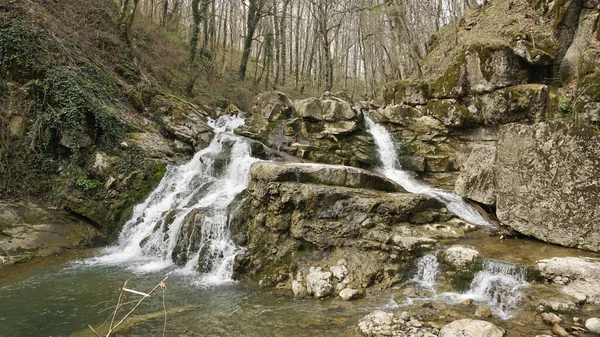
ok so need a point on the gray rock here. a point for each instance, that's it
(298, 289)
(339, 271)
(483, 311)
(460, 257)
(471, 328)
(322, 174)
(547, 178)
(377, 323)
(593, 324)
(551, 318)
(319, 284)
(580, 277)
(31, 230)
(476, 180)
(348, 294)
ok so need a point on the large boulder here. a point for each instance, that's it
(476, 180)
(304, 215)
(470, 328)
(29, 230)
(548, 182)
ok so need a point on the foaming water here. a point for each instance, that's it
(392, 169)
(498, 285)
(187, 212)
(427, 270)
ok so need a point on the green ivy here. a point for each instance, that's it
(17, 53)
(87, 184)
(68, 105)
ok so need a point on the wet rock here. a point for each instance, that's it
(469, 327)
(298, 289)
(593, 324)
(319, 283)
(405, 316)
(580, 276)
(483, 311)
(550, 318)
(531, 162)
(460, 257)
(348, 294)
(476, 180)
(467, 302)
(559, 330)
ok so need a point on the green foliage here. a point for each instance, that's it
(17, 52)
(87, 184)
(565, 107)
(73, 106)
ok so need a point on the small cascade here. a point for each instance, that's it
(498, 285)
(391, 168)
(427, 270)
(185, 219)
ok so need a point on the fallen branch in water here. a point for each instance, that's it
(123, 289)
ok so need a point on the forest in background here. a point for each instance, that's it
(302, 46)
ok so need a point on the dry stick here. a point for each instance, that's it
(164, 309)
(94, 331)
(112, 321)
(136, 306)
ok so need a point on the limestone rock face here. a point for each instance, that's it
(471, 328)
(580, 277)
(184, 120)
(476, 180)
(547, 181)
(31, 230)
(325, 130)
(321, 174)
(299, 216)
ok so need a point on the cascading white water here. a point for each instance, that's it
(391, 168)
(208, 183)
(498, 285)
(427, 270)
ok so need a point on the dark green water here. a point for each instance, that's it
(57, 297)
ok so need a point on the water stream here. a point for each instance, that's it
(498, 285)
(162, 224)
(392, 169)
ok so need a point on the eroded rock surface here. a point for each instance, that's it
(29, 230)
(548, 181)
(362, 234)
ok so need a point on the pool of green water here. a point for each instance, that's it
(60, 297)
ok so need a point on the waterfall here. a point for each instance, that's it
(391, 168)
(186, 214)
(427, 270)
(498, 285)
